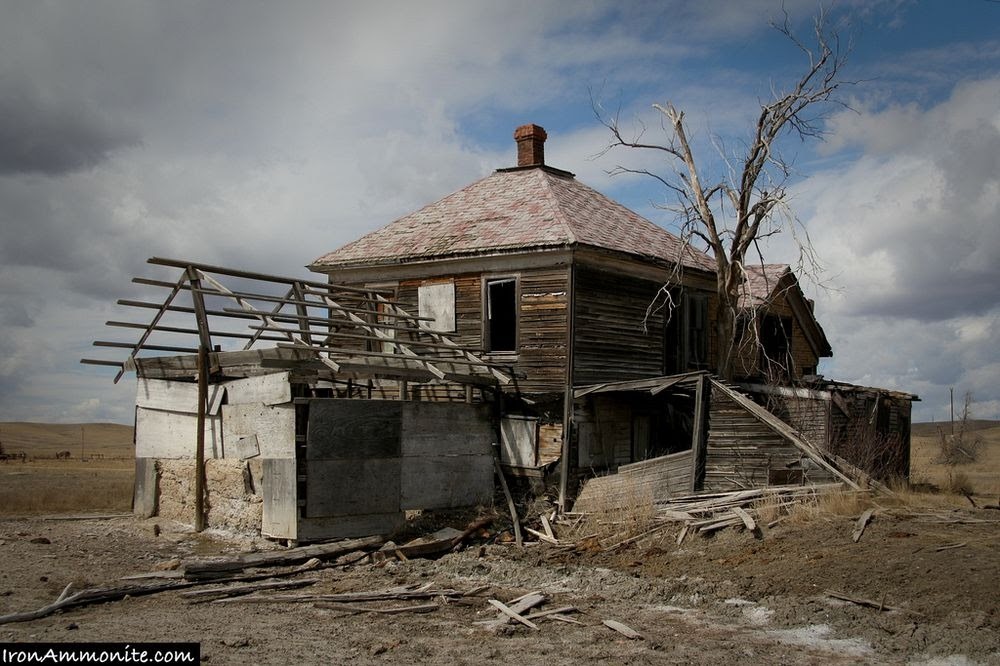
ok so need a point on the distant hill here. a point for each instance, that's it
(43, 440)
(931, 429)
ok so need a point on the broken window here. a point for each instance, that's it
(501, 315)
(776, 346)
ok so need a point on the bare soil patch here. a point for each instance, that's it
(731, 598)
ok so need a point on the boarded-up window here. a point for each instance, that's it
(519, 435)
(501, 315)
(437, 301)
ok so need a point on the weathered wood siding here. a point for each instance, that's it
(638, 483)
(614, 340)
(747, 362)
(809, 416)
(743, 452)
(540, 360)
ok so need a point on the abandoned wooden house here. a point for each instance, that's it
(566, 288)
(526, 310)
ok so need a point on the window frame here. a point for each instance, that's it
(487, 342)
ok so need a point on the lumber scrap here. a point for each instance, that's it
(510, 500)
(210, 568)
(623, 629)
(506, 610)
(97, 595)
(393, 594)
(519, 605)
(395, 610)
(748, 522)
(542, 536)
(859, 527)
(868, 603)
(249, 588)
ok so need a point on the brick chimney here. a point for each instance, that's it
(530, 145)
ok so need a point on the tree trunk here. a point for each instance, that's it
(725, 335)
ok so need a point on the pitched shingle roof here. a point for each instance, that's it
(761, 282)
(512, 210)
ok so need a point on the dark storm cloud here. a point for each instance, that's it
(50, 135)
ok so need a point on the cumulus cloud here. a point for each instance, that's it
(910, 229)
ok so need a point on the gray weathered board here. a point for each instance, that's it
(162, 434)
(175, 396)
(274, 427)
(144, 496)
(272, 389)
(280, 508)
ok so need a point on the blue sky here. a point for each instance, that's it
(260, 135)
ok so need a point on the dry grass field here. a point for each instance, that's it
(982, 476)
(44, 482)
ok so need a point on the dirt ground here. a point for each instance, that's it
(732, 598)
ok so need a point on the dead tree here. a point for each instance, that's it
(730, 216)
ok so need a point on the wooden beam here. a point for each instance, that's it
(199, 456)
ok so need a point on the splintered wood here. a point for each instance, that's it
(516, 611)
(706, 513)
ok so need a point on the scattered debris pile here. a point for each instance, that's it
(616, 526)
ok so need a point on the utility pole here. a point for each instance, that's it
(951, 394)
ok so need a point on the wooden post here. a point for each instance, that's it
(698, 434)
(567, 420)
(199, 456)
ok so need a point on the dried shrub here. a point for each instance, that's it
(625, 511)
(769, 507)
(959, 483)
(963, 445)
(882, 456)
(830, 504)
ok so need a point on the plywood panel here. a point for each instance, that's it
(274, 427)
(161, 434)
(175, 396)
(446, 481)
(345, 527)
(352, 487)
(434, 428)
(272, 389)
(279, 517)
(344, 429)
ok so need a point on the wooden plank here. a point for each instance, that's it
(748, 521)
(273, 426)
(270, 389)
(175, 396)
(859, 527)
(503, 608)
(280, 509)
(280, 557)
(160, 434)
(623, 629)
(144, 496)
